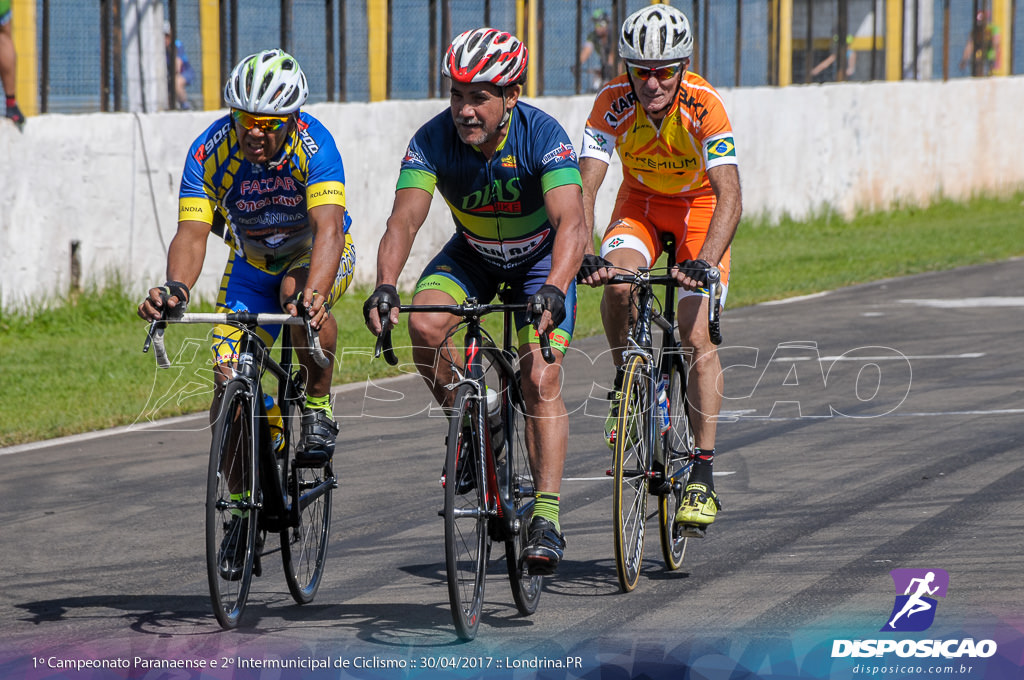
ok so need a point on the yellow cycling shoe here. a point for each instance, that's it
(697, 511)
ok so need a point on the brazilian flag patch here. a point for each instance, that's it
(721, 148)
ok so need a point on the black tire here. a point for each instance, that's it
(466, 541)
(304, 548)
(631, 462)
(526, 588)
(678, 446)
(233, 470)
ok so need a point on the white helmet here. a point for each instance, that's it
(268, 82)
(656, 32)
(486, 55)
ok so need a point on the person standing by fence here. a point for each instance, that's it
(8, 64)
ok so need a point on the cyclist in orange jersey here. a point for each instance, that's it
(680, 176)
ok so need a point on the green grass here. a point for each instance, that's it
(79, 366)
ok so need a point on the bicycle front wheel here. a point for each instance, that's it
(304, 547)
(678, 446)
(231, 503)
(631, 464)
(466, 542)
(526, 588)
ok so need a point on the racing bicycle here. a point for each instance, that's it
(488, 485)
(254, 487)
(649, 458)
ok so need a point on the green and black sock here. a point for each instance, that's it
(321, 404)
(546, 506)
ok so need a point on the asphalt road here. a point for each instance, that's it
(868, 429)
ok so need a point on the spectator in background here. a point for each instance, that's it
(982, 48)
(832, 73)
(601, 44)
(178, 64)
(8, 64)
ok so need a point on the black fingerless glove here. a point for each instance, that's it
(550, 298)
(591, 264)
(174, 289)
(696, 269)
(383, 293)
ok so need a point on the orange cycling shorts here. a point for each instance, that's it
(639, 217)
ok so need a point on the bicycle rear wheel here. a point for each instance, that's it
(466, 541)
(631, 463)
(231, 503)
(526, 588)
(678, 446)
(304, 547)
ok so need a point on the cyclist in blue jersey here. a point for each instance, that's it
(510, 176)
(269, 179)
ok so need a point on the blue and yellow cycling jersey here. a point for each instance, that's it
(265, 205)
(498, 204)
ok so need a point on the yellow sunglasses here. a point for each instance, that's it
(265, 123)
(643, 73)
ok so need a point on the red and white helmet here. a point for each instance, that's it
(486, 55)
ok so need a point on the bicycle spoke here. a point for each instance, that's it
(231, 510)
(467, 544)
(631, 460)
(679, 444)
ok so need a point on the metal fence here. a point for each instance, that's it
(738, 43)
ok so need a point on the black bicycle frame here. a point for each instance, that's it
(472, 311)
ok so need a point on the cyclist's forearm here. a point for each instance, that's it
(592, 172)
(328, 225)
(726, 217)
(407, 216)
(186, 253)
(392, 254)
(571, 242)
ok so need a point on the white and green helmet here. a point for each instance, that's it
(268, 83)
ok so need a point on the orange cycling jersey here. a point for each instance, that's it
(695, 135)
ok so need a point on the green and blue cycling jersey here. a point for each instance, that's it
(498, 204)
(503, 234)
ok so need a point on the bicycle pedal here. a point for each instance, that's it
(688, 531)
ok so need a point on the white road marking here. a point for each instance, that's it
(961, 303)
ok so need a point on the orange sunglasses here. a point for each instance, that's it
(265, 123)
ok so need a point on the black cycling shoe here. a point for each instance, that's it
(231, 557)
(319, 431)
(544, 548)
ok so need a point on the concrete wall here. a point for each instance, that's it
(109, 181)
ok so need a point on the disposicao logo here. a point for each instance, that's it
(914, 611)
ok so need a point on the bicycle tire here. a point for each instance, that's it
(526, 588)
(678, 445)
(304, 547)
(466, 540)
(631, 464)
(233, 465)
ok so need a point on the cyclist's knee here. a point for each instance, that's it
(427, 330)
(541, 382)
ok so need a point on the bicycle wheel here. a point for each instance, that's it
(466, 542)
(520, 489)
(231, 503)
(304, 547)
(631, 463)
(678, 446)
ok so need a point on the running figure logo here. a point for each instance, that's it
(914, 610)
